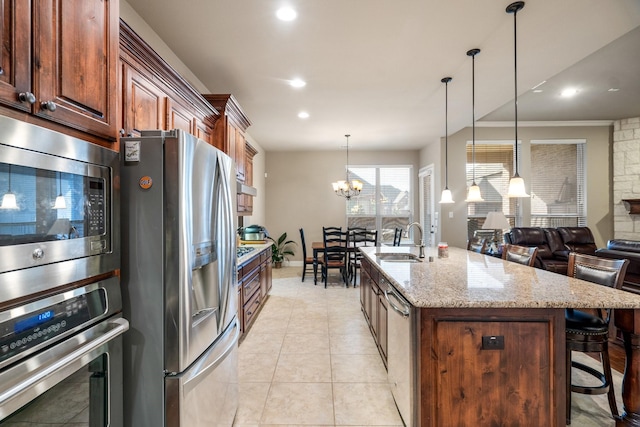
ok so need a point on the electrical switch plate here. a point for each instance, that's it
(450, 214)
(493, 342)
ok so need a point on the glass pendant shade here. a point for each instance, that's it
(446, 196)
(60, 202)
(474, 194)
(9, 201)
(516, 187)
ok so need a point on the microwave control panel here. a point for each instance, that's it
(96, 207)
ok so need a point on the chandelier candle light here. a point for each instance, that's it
(347, 189)
(516, 184)
(446, 193)
(474, 191)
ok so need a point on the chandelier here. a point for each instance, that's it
(347, 189)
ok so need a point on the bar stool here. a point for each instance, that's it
(589, 333)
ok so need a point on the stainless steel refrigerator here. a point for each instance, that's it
(179, 281)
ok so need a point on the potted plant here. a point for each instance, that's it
(280, 249)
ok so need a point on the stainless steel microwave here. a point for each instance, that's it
(58, 209)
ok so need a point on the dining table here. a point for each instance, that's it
(317, 247)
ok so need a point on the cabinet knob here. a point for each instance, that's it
(27, 97)
(1, 71)
(49, 106)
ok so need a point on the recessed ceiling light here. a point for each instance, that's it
(297, 83)
(538, 85)
(538, 91)
(613, 89)
(286, 14)
(569, 92)
(303, 115)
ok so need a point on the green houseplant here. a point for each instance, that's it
(281, 249)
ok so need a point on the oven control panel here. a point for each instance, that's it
(20, 333)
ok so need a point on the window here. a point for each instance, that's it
(558, 183)
(493, 170)
(385, 200)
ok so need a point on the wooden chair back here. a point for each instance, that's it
(520, 254)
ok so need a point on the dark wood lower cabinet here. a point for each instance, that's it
(374, 305)
(254, 284)
(491, 367)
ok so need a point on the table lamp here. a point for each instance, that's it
(498, 222)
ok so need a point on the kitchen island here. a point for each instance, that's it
(487, 336)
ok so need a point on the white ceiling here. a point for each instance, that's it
(373, 67)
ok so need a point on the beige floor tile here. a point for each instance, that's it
(252, 401)
(256, 367)
(305, 343)
(257, 342)
(299, 403)
(269, 326)
(365, 404)
(353, 344)
(358, 368)
(308, 326)
(303, 368)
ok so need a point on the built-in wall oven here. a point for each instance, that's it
(57, 204)
(61, 359)
(61, 319)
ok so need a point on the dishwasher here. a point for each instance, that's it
(401, 355)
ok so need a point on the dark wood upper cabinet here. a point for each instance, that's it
(59, 62)
(15, 62)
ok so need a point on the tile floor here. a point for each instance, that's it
(309, 359)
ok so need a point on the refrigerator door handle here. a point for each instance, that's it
(212, 358)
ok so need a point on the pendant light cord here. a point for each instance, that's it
(446, 81)
(347, 158)
(514, 8)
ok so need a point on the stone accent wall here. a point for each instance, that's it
(626, 176)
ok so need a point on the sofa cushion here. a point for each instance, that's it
(530, 237)
(578, 239)
(624, 245)
(556, 245)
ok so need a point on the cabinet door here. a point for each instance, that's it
(248, 179)
(204, 132)
(143, 103)
(75, 50)
(382, 321)
(179, 118)
(15, 59)
(240, 150)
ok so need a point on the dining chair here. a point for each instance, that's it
(307, 262)
(589, 333)
(477, 244)
(334, 253)
(356, 239)
(520, 254)
(397, 236)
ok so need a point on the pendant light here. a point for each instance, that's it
(9, 199)
(347, 189)
(60, 202)
(474, 191)
(516, 184)
(446, 193)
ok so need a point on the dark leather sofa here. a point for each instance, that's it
(554, 244)
(625, 249)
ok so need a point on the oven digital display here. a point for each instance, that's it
(33, 321)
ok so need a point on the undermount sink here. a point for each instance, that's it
(398, 257)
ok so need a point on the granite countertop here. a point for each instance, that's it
(257, 249)
(471, 280)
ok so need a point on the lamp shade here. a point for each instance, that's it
(496, 221)
(9, 201)
(516, 187)
(446, 196)
(474, 194)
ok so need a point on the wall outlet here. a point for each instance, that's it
(493, 342)
(450, 214)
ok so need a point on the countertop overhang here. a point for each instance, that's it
(471, 280)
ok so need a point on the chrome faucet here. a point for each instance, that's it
(417, 224)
